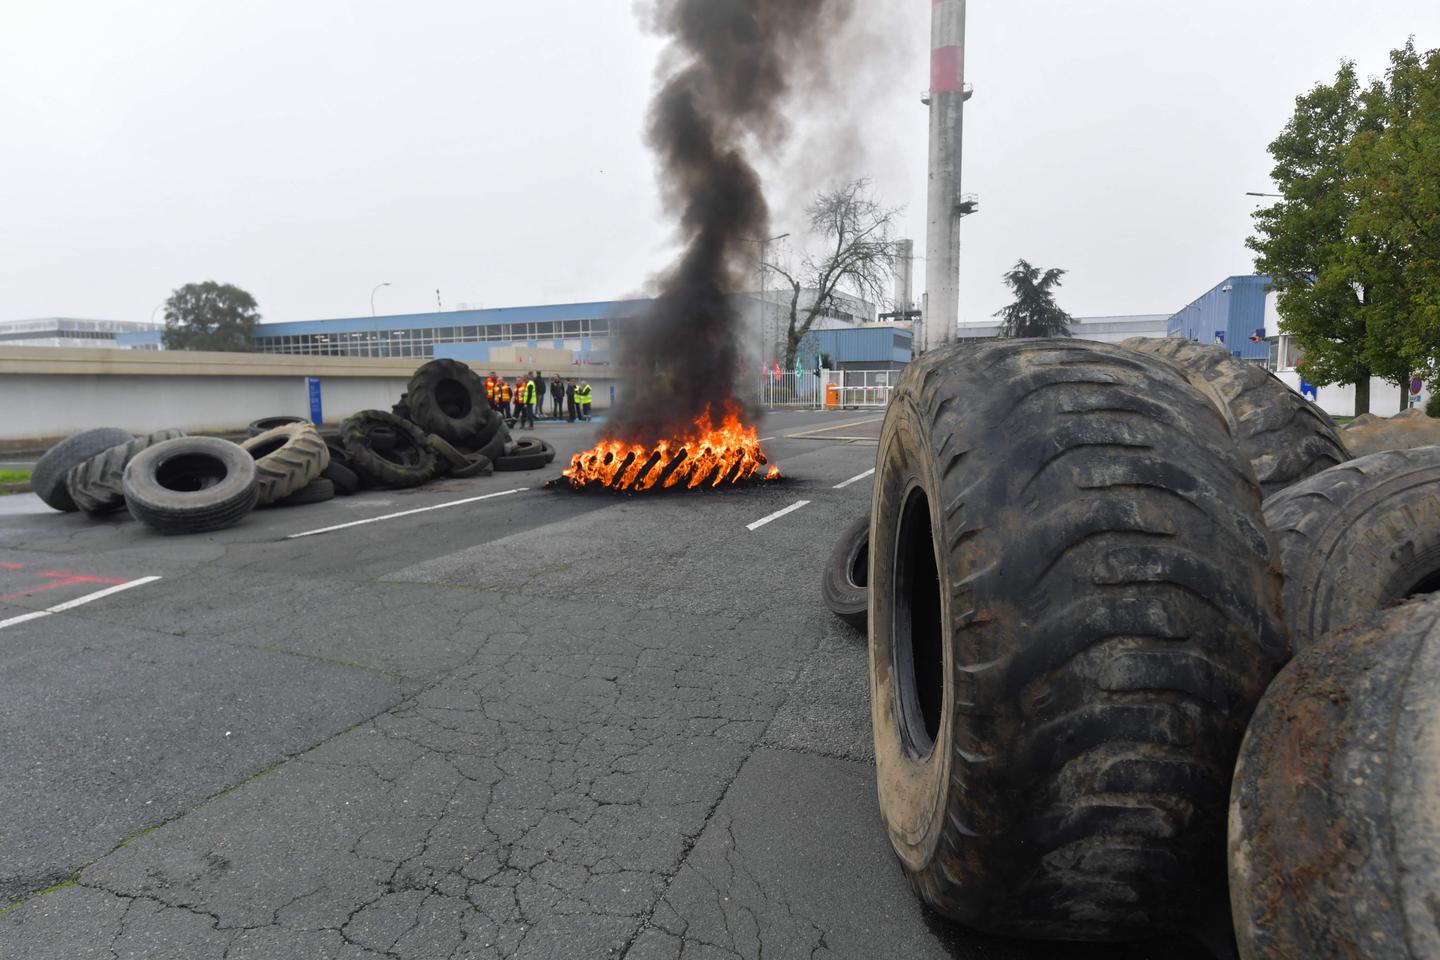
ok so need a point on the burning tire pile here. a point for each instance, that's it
(176, 484)
(1085, 565)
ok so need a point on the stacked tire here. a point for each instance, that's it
(1083, 568)
(1074, 608)
(443, 428)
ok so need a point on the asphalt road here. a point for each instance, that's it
(534, 725)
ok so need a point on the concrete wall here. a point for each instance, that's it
(47, 393)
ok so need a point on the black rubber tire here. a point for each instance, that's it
(191, 485)
(316, 491)
(447, 398)
(411, 463)
(495, 448)
(266, 424)
(341, 457)
(549, 451)
(1286, 437)
(47, 480)
(97, 486)
(477, 467)
(1073, 612)
(528, 454)
(493, 424)
(1334, 846)
(845, 584)
(1357, 538)
(1368, 434)
(401, 408)
(287, 460)
(345, 481)
(449, 459)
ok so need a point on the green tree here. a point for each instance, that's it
(1327, 273)
(1394, 166)
(1034, 312)
(210, 316)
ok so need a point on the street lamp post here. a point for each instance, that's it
(763, 325)
(1252, 193)
(375, 326)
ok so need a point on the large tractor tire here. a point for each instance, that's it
(845, 583)
(98, 485)
(1074, 610)
(404, 458)
(1286, 437)
(1357, 538)
(287, 460)
(48, 477)
(191, 485)
(1334, 819)
(1368, 434)
(447, 398)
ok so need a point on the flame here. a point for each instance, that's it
(708, 455)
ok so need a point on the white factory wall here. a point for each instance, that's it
(47, 406)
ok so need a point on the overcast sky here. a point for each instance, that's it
(307, 151)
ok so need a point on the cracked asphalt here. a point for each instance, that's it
(544, 725)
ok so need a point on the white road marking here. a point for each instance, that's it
(863, 476)
(79, 602)
(764, 439)
(776, 516)
(404, 513)
(814, 434)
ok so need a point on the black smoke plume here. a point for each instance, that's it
(735, 62)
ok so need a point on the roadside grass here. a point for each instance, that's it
(14, 476)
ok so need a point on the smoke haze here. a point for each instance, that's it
(732, 64)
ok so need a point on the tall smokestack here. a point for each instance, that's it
(947, 124)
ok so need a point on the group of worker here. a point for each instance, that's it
(524, 398)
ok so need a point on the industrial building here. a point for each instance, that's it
(72, 332)
(1231, 313)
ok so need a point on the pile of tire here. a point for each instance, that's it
(168, 481)
(1084, 565)
(443, 427)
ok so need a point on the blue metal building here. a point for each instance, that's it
(864, 348)
(582, 328)
(1230, 313)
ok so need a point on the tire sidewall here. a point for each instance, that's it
(912, 789)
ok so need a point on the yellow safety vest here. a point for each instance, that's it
(583, 394)
(529, 392)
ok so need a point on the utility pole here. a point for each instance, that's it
(946, 205)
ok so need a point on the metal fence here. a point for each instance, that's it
(829, 389)
(860, 389)
(793, 390)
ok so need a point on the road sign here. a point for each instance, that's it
(1309, 391)
(312, 387)
(1219, 336)
(1416, 385)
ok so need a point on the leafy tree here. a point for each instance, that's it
(859, 257)
(1394, 165)
(1034, 312)
(1328, 274)
(210, 316)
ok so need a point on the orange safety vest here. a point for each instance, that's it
(504, 391)
(489, 388)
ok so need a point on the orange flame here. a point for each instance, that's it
(707, 455)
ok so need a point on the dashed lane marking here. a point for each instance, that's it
(404, 513)
(854, 480)
(777, 515)
(78, 602)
